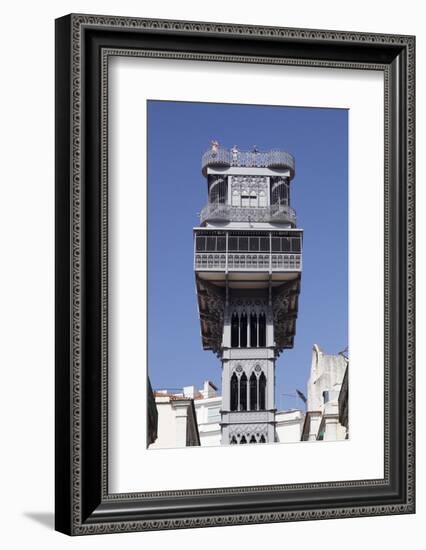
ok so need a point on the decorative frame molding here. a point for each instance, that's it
(84, 44)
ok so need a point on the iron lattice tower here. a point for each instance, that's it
(248, 265)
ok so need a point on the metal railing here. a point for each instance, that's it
(223, 212)
(253, 159)
(215, 261)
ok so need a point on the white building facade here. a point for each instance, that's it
(324, 388)
(208, 405)
(177, 421)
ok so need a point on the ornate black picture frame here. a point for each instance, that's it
(83, 45)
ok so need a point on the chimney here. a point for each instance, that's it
(209, 389)
(189, 391)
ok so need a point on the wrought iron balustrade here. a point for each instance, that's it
(237, 261)
(225, 158)
(278, 213)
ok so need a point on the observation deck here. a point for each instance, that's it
(248, 258)
(220, 158)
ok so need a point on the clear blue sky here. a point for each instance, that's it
(178, 134)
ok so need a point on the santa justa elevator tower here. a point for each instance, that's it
(248, 265)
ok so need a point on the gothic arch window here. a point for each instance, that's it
(262, 330)
(218, 190)
(262, 392)
(234, 330)
(243, 440)
(252, 439)
(253, 330)
(262, 198)
(253, 392)
(262, 439)
(233, 440)
(243, 392)
(234, 393)
(253, 199)
(243, 330)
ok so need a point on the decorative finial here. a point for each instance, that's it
(255, 149)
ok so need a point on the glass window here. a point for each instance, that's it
(262, 330)
(211, 244)
(295, 245)
(234, 392)
(243, 392)
(201, 244)
(243, 330)
(221, 244)
(276, 244)
(243, 243)
(253, 392)
(264, 244)
(285, 244)
(262, 392)
(253, 330)
(254, 244)
(245, 200)
(234, 331)
(233, 244)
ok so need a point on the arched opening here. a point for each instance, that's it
(234, 392)
(253, 392)
(253, 199)
(233, 440)
(218, 190)
(280, 192)
(253, 330)
(243, 440)
(243, 330)
(234, 330)
(243, 392)
(262, 392)
(262, 439)
(252, 439)
(262, 330)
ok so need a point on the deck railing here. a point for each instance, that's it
(237, 261)
(223, 212)
(225, 158)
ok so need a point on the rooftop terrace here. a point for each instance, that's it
(219, 158)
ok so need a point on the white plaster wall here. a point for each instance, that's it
(209, 431)
(167, 426)
(289, 426)
(211, 437)
(326, 374)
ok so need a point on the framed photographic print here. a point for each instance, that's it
(234, 259)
